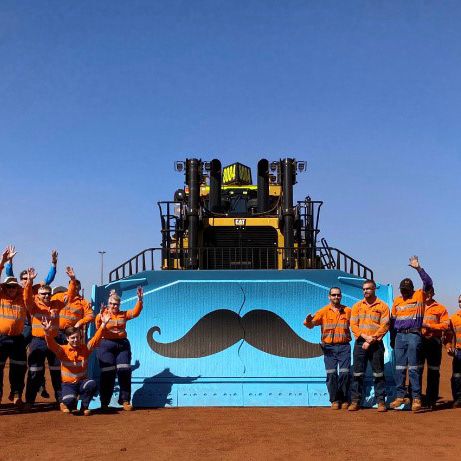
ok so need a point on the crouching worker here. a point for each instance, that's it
(114, 353)
(74, 364)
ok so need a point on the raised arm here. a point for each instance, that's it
(52, 272)
(11, 253)
(28, 293)
(132, 313)
(95, 340)
(426, 279)
(50, 341)
(72, 289)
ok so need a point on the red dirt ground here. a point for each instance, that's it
(234, 433)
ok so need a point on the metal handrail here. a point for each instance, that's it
(243, 258)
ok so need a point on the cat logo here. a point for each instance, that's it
(239, 222)
(236, 174)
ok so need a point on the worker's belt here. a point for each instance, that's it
(409, 330)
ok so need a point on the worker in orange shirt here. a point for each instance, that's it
(76, 312)
(369, 324)
(114, 352)
(12, 343)
(453, 345)
(334, 320)
(435, 322)
(42, 306)
(74, 364)
(406, 323)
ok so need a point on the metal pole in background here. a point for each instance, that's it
(102, 253)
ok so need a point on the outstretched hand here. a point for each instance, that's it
(105, 317)
(70, 272)
(11, 252)
(414, 263)
(140, 293)
(54, 257)
(308, 320)
(46, 325)
(31, 274)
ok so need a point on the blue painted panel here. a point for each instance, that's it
(210, 395)
(318, 395)
(275, 394)
(232, 328)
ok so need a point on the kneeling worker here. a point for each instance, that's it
(369, 324)
(74, 364)
(334, 320)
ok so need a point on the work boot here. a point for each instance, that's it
(335, 406)
(127, 406)
(18, 403)
(354, 406)
(399, 401)
(344, 405)
(382, 407)
(86, 412)
(416, 405)
(64, 409)
(457, 403)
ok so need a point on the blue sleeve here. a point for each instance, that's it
(9, 270)
(51, 275)
(427, 281)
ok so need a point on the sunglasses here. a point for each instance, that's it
(45, 294)
(335, 296)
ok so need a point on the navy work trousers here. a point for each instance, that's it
(114, 357)
(432, 354)
(375, 356)
(456, 376)
(38, 352)
(85, 389)
(337, 359)
(13, 348)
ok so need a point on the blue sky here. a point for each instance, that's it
(99, 98)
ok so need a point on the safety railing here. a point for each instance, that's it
(228, 258)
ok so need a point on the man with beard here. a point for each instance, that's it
(369, 324)
(334, 321)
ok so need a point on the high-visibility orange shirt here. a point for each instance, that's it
(453, 334)
(39, 310)
(334, 324)
(74, 360)
(370, 319)
(75, 310)
(436, 316)
(116, 326)
(409, 313)
(12, 313)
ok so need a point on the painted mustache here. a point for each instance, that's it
(222, 328)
